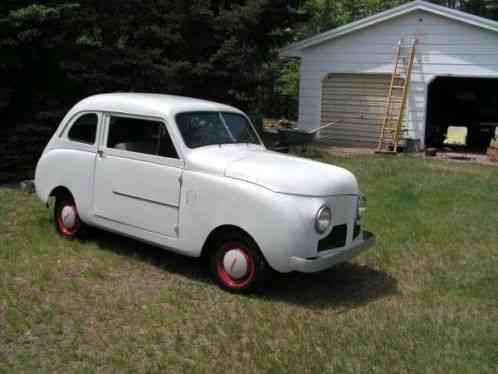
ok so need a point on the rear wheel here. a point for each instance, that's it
(66, 217)
(237, 265)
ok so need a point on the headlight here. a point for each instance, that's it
(323, 219)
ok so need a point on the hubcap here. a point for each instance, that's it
(235, 263)
(235, 267)
(68, 215)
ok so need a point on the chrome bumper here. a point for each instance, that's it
(305, 265)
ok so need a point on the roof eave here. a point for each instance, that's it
(296, 49)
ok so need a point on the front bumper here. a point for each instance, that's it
(305, 265)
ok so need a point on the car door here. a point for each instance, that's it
(138, 174)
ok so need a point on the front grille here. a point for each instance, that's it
(336, 238)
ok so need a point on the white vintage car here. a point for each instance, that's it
(193, 177)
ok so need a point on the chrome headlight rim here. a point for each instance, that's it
(319, 226)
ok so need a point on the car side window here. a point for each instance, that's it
(141, 136)
(84, 129)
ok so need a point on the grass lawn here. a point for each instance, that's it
(424, 300)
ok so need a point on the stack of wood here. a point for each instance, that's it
(493, 151)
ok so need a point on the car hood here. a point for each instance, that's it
(277, 172)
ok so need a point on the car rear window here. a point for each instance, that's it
(84, 129)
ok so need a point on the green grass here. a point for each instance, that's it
(424, 300)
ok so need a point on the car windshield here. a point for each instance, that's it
(199, 129)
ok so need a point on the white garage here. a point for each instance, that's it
(345, 74)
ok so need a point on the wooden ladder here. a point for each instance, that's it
(392, 125)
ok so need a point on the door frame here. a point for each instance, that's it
(102, 151)
(160, 160)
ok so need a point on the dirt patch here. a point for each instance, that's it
(462, 157)
(446, 155)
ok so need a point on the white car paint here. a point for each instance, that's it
(177, 203)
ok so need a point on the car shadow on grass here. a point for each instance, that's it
(343, 287)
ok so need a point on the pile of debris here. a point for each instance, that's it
(272, 124)
(493, 151)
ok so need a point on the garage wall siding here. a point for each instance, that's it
(446, 47)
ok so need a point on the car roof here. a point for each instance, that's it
(147, 104)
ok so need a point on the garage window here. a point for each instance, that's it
(84, 129)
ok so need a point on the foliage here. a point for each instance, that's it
(55, 53)
(423, 300)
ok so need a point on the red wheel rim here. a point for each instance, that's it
(226, 278)
(67, 231)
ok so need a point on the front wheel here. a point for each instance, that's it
(237, 265)
(67, 220)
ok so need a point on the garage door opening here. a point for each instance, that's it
(465, 103)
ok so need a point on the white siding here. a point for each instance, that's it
(446, 47)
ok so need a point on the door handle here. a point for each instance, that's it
(100, 153)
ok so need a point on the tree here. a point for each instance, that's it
(55, 53)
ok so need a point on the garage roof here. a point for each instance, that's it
(294, 50)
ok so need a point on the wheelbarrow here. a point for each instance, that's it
(290, 137)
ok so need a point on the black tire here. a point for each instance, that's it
(258, 270)
(62, 201)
